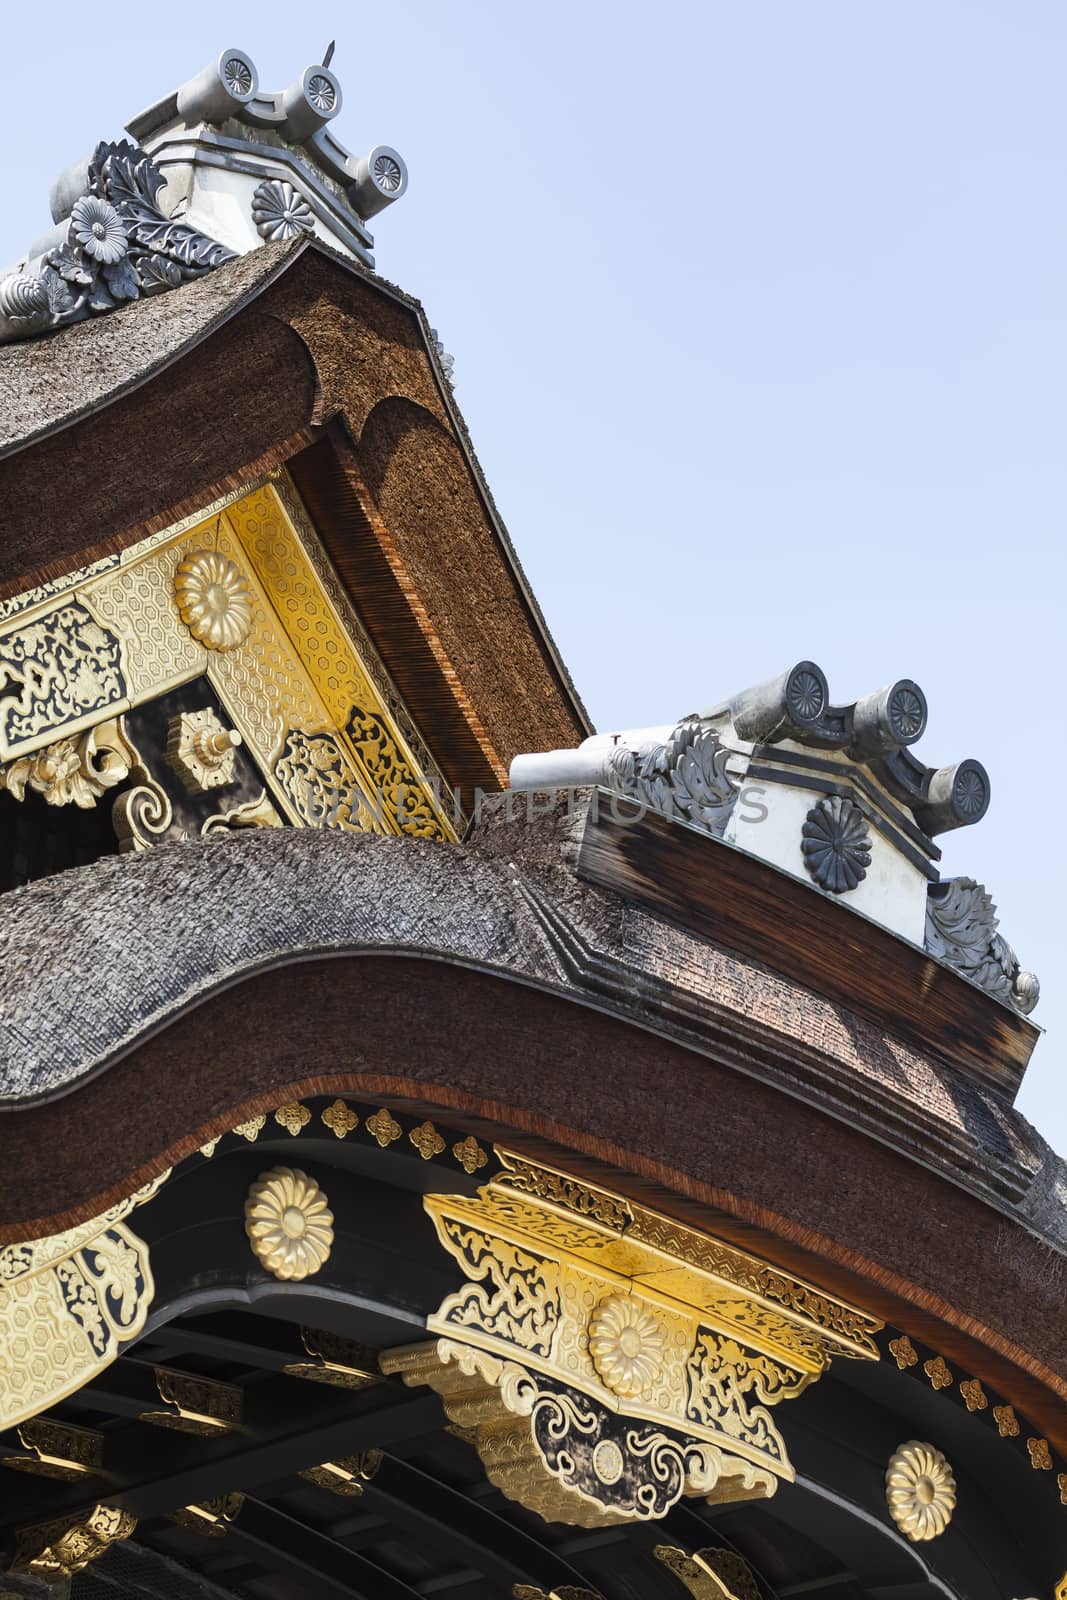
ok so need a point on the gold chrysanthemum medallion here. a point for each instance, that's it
(626, 1345)
(920, 1490)
(214, 599)
(289, 1223)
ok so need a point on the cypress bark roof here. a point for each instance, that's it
(51, 381)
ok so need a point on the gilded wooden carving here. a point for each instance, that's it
(920, 1490)
(57, 673)
(611, 1359)
(194, 1405)
(53, 1449)
(58, 1550)
(289, 1223)
(332, 1360)
(210, 1517)
(242, 597)
(348, 1476)
(68, 1303)
(710, 1574)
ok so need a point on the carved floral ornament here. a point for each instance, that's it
(289, 1223)
(279, 212)
(214, 599)
(610, 1360)
(120, 245)
(626, 1343)
(920, 1490)
(74, 771)
(836, 844)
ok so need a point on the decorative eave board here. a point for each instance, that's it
(721, 892)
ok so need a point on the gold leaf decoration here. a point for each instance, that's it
(427, 1140)
(1061, 1484)
(626, 1343)
(289, 1223)
(384, 1127)
(974, 1395)
(57, 1450)
(527, 1591)
(920, 1491)
(208, 1150)
(200, 1406)
(938, 1373)
(340, 1362)
(251, 1129)
(292, 1117)
(1007, 1422)
(1040, 1455)
(470, 1155)
(58, 1550)
(710, 1574)
(340, 1119)
(214, 599)
(346, 1476)
(210, 1517)
(903, 1352)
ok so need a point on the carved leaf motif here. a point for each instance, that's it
(961, 922)
(100, 297)
(71, 266)
(157, 273)
(702, 788)
(961, 928)
(122, 280)
(132, 182)
(143, 252)
(686, 777)
(61, 303)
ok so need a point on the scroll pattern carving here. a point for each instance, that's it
(564, 1455)
(642, 1345)
(516, 1296)
(55, 671)
(319, 781)
(74, 771)
(67, 1305)
(58, 1550)
(288, 672)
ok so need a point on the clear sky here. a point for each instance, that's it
(759, 314)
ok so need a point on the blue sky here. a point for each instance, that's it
(760, 323)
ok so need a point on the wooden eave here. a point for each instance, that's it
(725, 894)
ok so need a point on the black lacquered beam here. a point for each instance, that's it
(288, 1547)
(468, 1531)
(287, 1426)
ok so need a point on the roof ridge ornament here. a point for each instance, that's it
(228, 89)
(219, 167)
(115, 244)
(832, 794)
(961, 928)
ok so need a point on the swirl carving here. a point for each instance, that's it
(686, 778)
(62, 668)
(961, 928)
